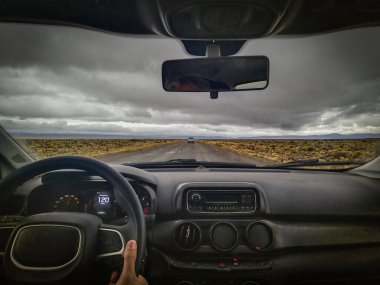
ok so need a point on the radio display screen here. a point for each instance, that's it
(222, 198)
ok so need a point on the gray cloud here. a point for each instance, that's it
(56, 73)
(62, 126)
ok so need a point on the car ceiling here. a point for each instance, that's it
(199, 22)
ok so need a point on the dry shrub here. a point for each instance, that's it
(290, 150)
(40, 148)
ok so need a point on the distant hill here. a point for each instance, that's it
(66, 136)
(90, 136)
(334, 136)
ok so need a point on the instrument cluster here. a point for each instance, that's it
(92, 197)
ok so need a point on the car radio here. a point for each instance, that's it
(221, 201)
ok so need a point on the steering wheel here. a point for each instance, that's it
(51, 246)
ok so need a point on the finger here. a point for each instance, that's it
(130, 254)
(114, 277)
(142, 280)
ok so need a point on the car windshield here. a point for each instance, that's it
(70, 91)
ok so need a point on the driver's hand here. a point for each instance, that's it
(128, 275)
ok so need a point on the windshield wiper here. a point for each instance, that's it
(314, 162)
(182, 160)
(190, 163)
(193, 163)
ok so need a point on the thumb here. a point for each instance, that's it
(130, 254)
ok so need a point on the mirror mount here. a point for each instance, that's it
(214, 95)
(213, 50)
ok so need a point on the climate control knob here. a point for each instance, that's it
(223, 236)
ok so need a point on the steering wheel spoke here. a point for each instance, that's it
(111, 242)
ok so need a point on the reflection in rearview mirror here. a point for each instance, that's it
(216, 74)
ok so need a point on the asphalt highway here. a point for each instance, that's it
(182, 150)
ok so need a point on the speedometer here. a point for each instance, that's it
(67, 203)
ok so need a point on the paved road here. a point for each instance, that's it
(183, 150)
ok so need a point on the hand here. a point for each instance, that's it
(128, 275)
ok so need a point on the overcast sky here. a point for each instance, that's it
(57, 79)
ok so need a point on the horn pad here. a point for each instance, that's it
(46, 247)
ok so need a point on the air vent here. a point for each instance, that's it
(223, 236)
(13, 206)
(259, 235)
(187, 236)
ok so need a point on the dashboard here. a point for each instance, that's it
(264, 227)
(236, 227)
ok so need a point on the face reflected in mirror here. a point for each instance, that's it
(216, 74)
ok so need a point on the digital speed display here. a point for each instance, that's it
(102, 203)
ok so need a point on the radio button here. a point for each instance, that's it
(195, 197)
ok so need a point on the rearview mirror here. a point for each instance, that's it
(216, 74)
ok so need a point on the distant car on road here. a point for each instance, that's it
(190, 140)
